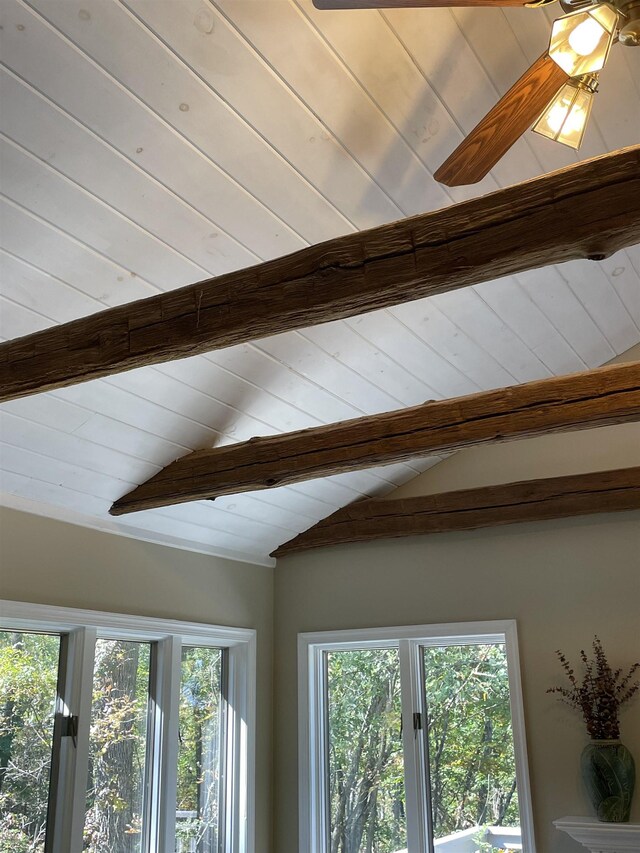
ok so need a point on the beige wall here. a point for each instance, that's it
(562, 581)
(50, 562)
(603, 449)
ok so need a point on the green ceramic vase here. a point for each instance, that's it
(609, 775)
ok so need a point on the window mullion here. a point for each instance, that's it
(55, 805)
(414, 748)
(230, 788)
(321, 825)
(70, 785)
(165, 697)
(150, 810)
(519, 739)
(313, 802)
(239, 771)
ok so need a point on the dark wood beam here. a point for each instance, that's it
(468, 509)
(608, 395)
(588, 210)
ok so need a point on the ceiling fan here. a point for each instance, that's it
(555, 94)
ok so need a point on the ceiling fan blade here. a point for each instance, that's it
(413, 4)
(514, 113)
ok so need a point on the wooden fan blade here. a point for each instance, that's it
(503, 125)
(410, 4)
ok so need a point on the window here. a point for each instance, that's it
(28, 683)
(119, 760)
(200, 749)
(124, 734)
(412, 739)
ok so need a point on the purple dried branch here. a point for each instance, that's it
(628, 676)
(600, 692)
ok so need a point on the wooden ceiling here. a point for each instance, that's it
(148, 145)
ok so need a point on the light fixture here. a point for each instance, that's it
(580, 42)
(630, 33)
(565, 118)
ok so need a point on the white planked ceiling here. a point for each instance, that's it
(147, 144)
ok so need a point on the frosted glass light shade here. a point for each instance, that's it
(565, 118)
(580, 42)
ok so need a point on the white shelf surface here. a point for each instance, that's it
(601, 837)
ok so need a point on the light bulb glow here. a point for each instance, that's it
(580, 41)
(586, 37)
(565, 118)
(557, 116)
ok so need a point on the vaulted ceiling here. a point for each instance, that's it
(148, 144)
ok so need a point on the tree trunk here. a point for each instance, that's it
(115, 776)
(506, 803)
(483, 793)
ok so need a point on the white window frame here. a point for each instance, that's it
(83, 627)
(312, 722)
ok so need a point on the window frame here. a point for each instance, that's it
(313, 803)
(68, 788)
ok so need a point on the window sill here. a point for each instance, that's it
(601, 837)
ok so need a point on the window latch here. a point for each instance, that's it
(70, 729)
(417, 722)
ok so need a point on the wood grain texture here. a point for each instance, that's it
(494, 135)
(588, 210)
(608, 395)
(469, 509)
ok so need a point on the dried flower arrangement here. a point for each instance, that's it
(600, 692)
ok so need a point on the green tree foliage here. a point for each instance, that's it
(199, 749)
(28, 676)
(117, 756)
(471, 759)
(365, 752)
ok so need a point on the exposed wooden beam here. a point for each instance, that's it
(468, 509)
(608, 395)
(587, 210)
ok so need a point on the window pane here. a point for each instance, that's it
(118, 747)
(28, 682)
(200, 745)
(366, 768)
(471, 754)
